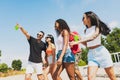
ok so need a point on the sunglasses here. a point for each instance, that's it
(39, 34)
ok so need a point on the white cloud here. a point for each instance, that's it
(114, 24)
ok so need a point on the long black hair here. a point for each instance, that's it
(52, 39)
(62, 25)
(95, 21)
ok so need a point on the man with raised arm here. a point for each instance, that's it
(35, 60)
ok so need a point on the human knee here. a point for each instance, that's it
(28, 77)
(55, 77)
(71, 76)
(77, 71)
(40, 77)
(90, 77)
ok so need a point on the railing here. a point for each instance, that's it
(116, 57)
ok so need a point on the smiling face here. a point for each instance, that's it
(48, 39)
(40, 35)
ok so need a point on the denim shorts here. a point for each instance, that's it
(68, 57)
(99, 57)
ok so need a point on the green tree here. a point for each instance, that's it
(16, 64)
(3, 67)
(84, 55)
(112, 41)
(0, 53)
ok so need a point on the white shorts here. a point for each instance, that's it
(31, 67)
(99, 57)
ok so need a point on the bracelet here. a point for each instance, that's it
(45, 65)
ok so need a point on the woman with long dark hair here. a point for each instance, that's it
(50, 55)
(65, 58)
(98, 55)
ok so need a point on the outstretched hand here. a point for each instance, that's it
(18, 25)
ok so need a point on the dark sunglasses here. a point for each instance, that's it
(39, 34)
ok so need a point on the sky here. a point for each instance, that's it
(37, 15)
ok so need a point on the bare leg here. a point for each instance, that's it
(56, 74)
(40, 76)
(110, 72)
(45, 73)
(52, 68)
(78, 74)
(28, 76)
(70, 70)
(92, 70)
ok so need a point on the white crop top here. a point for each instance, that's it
(60, 43)
(89, 32)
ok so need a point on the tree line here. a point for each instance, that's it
(16, 65)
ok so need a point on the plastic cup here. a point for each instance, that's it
(16, 27)
(76, 38)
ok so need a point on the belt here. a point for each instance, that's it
(93, 47)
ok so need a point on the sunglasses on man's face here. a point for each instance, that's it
(39, 34)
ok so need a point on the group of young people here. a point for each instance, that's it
(68, 51)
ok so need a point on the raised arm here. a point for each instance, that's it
(24, 31)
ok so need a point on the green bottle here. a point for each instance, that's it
(16, 27)
(76, 37)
